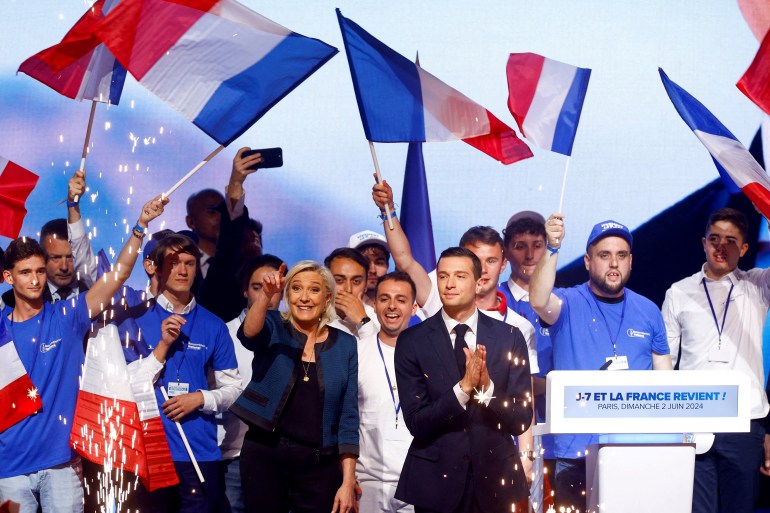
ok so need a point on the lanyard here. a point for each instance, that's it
(614, 341)
(397, 407)
(184, 344)
(714, 313)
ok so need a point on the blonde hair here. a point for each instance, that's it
(328, 314)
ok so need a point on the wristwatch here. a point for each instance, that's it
(530, 455)
(361, 323)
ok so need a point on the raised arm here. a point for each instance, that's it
(272, 284)
(399, 246)
(541, 296)
(98, 297)
(84, 260)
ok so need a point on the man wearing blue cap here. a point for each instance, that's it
(597, 325)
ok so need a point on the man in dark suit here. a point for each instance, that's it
(463, 381)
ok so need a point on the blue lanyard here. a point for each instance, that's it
(714, 313)
(607, 325)
(390, 383)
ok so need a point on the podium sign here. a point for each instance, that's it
(646, 402)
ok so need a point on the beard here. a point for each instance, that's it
(605, 287)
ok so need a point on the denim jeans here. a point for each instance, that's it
(57, 489)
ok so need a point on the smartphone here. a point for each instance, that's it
(271, 157)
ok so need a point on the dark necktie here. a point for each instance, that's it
(64, 292)
(460, 331)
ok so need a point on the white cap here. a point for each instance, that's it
(367, 237)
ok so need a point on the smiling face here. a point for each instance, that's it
(492, 264)
(609, 266)
(307, 298)
(457, 286)
(27, 277)
(394, 305)
(724, 246)
(378, 265)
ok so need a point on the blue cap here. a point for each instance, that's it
(607, 229)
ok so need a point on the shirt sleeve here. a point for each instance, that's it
(82, 252)
(464, 398)
(660, 341)
(227, 387)
(433, 303)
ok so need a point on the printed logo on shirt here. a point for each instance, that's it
(544, 332)
(636, 334)
(44, 348)
(196, 347)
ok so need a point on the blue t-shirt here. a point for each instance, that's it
(582, 340)
(50, 345)
(544, 357)
(205, 344)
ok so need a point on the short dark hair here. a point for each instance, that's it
(399, 276)
(197, 195)
(364, 247)
(20, 249)
(481, 235)
(253, 224)
(349, 253)
(177, 243)
(458, 251)
(733, 216)
(248, 268)
(56, 228)
(523, 225)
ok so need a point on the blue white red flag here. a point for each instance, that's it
(546, 98)
(80, 67)
(415, 209)
(730, 156)
(755, 82)
(221, 65)
(400, 102)
(18, 395)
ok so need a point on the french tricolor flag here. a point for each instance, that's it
(730, 156)
(18, 395)
(400, 102)
(221, 65)
(117, 421)
(80, 67)
(546, 98)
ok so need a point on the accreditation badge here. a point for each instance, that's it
(176, 388)
(719, 355)
(617, 362)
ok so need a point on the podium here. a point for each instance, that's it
(648, 422)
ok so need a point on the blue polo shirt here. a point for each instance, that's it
(582, 339)
(50, 345)
(204, 344)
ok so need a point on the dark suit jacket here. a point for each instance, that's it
(449, 438)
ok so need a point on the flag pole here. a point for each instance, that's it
(193, 171)
(184, 439)
(564, 183)
(87, 141)
(379, 180)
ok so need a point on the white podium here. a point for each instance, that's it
(648, 422)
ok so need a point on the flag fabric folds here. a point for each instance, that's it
(80, 67)
(117, 421)
(400, 102)
(18, 394)
(755, 82)
(415, 209)
(546, 98)
(730, 156)
(221, 65)
(16, 184)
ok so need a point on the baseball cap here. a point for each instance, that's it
(367, 237)
(607, 228)
(525, 214)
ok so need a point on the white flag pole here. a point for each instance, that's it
(184, 437)
(379, 180)
(192, 172)
(87, 141)
(564, 183)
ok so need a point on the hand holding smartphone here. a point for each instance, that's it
(271, 157)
